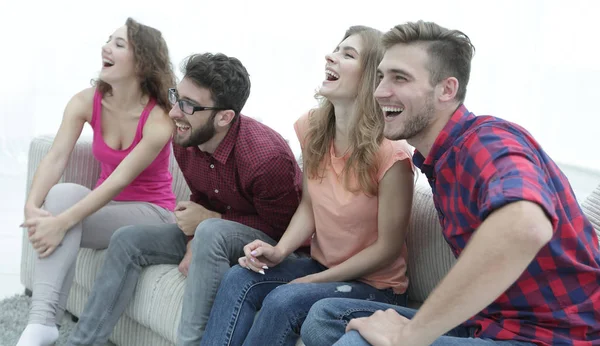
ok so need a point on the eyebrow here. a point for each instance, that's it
(189, 100)
(348, 48)
(118, 38)
(396, 71)
(192, 101)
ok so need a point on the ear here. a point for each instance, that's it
(225, 117)
(447, 89)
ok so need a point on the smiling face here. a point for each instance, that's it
(118, 60)
(343, 70)
(199, 127)
(404, 93)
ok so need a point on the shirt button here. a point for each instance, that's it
(216, 191)
(228, 207)
(212, 166)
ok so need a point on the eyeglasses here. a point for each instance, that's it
(186, 106)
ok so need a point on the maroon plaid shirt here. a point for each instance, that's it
(479, 164)
(252, 178)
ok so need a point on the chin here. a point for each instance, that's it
(324, 92)
(181, 141)
(393, 134)
(106, 77)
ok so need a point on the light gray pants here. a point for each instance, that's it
(216, 246)
(54, 274)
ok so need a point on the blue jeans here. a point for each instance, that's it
(326, 324)
(216, 246)
(283, 307)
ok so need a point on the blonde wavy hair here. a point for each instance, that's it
(367, 131)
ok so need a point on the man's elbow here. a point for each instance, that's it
(532, 225)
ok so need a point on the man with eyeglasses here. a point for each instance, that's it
(245, 184)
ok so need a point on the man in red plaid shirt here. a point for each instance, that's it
(528, 269)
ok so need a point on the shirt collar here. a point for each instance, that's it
(224, 149)
(456, 126)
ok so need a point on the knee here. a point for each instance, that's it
(210, 234)
(62, 196)
(322, 311)
(284, 299)
(126, 239)
(280, 298)
(236, 276)
(317, 315)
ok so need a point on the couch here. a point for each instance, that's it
(152, 317)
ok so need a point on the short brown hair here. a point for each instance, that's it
(450, 51)
(225, 77)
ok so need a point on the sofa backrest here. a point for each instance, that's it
(180, 187)
(82, 168)
(591, 208)
(429, 256)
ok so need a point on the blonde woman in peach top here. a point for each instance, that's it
(356, 203)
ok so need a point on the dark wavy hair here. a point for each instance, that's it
(152, 64)
(225, 77)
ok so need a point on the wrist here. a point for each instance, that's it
(315, 278)
(30, 206)
(281, 251)
(66, 220)
(412, 331)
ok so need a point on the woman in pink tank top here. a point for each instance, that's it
(356, 203)
(128, 111)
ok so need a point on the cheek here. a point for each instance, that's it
(127, 60)
(196, 123)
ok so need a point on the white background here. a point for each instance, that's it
(537, 63)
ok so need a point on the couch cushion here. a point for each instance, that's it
(429, 256)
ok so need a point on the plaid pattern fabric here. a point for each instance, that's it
(252, 178)
(481, 163)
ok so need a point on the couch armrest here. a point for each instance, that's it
(81, 169)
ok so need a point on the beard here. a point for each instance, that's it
(414, 124)
(199, 136)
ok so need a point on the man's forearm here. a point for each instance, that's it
(494, 259)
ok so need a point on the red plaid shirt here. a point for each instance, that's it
(252, 178)
(479, 164)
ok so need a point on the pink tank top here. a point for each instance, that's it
(152, 185)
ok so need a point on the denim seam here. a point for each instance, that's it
(240, 302)
(295, 321)
(343, 315)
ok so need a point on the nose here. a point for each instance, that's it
(175, 112)
(330, 58)
(105, 48)
(383, 90)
